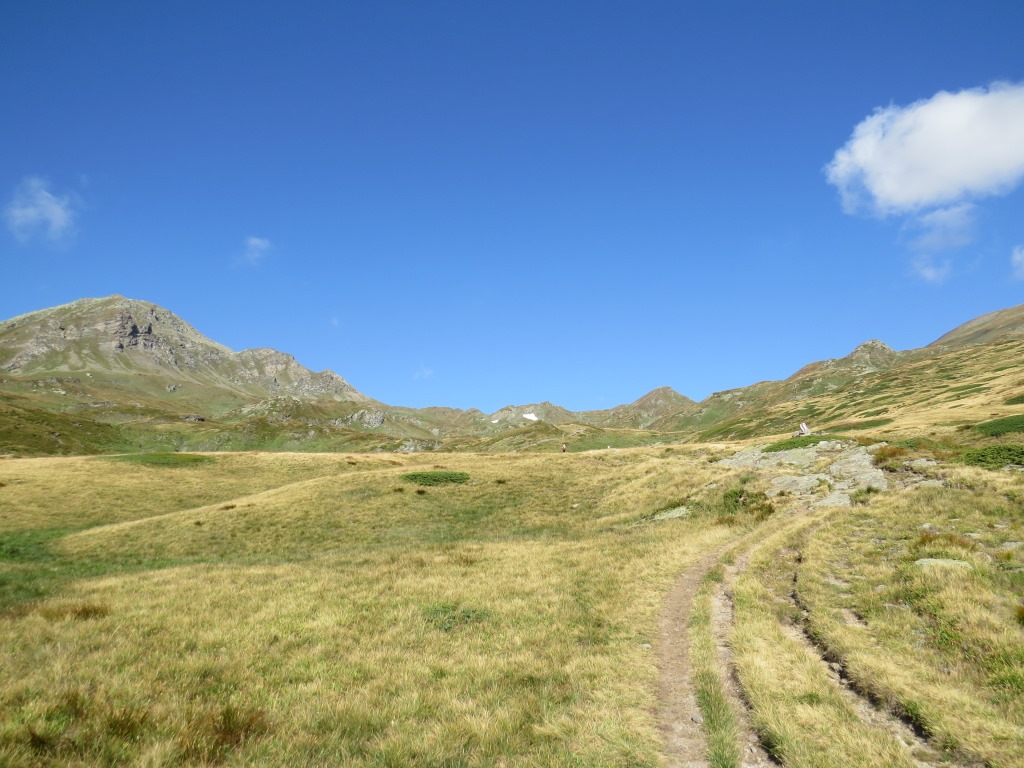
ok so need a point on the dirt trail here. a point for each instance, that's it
(680, 719)
(678, 713)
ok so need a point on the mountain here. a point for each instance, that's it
(115, 335)
(655, 405)
(116, 374)
(995, 325)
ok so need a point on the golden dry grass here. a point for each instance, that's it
(280, 609)
(940, 642)
(315, 611)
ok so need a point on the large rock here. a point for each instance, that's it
(856, 469)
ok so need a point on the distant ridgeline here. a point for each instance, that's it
(120, 375)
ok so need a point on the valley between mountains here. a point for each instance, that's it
(116, 374)
(219, 558)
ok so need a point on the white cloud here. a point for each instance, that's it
(424, 373)
(256, 249)
(944, 228)
(1017, 262)
(34, 209)
(930, 269)
(935, 152)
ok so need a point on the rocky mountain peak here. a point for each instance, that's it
(120, 334)
(872, 355)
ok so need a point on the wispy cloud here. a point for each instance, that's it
(944, 228)
(256, 249)
(1017, 262)
(931, 269)
(424, 373)
(36, 211)
(930, 162)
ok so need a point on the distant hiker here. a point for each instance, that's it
(564, 448)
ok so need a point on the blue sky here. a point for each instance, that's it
(476, 204)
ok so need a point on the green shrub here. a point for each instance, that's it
(743, 500)
(797, 442)
(863, 424)
(995, 456)
(1015, 400)
(436, 477)
(998, 427)
(163, 459)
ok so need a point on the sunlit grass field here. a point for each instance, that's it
(280, 609)
(495, 610)
(918, 600)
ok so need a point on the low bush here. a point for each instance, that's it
(998, 427)
(995, 456)
(796, 442)
(163, 459)
(436, 477)
(890, 457)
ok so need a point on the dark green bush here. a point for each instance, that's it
(436, 477)
(797, 442)
(995, 456)
(998, 427)
(163, 459)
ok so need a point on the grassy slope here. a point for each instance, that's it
(297, 610)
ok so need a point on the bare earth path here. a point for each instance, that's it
(678, 714)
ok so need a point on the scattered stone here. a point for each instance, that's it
(857, 468)
(697, 719)
(922, 463)
(799, 484)
(669, 514)
(1010, 545)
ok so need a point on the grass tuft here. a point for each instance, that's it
(448, 616)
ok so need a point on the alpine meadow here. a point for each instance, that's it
(218, 558)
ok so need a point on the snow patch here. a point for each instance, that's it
(530, 416)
